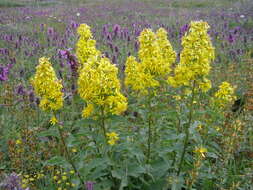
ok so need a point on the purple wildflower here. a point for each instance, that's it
(50, 31)
(231, 38)
(183, 29)
(89, 185)
(4, 71)
(20, 90)
(31, 96)
(116, 30)
(12, 182)
(74, 25)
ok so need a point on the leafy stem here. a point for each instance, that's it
(68, 156)
(187, 128)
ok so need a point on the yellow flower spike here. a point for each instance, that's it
(156, 56)
(72, 172)
(73, 185)
(59, 182)
(64, 178)
(55, 177)
(86, 45)
(47, 86)
(53, 120)
(74, 150)
(98, 85)
(225, 94)
(195, 58)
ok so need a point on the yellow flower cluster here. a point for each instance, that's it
(195, 58)
(29, 180)
(112, 138)
(98, 85)
(47, 86)
(63, 180)
(53, 120)
(86, 45)
(201, 151)
(225, 94)
(156, 56)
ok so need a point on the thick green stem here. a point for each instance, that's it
(94, 140)
(103, 121)
(149, 129)
(187, 129)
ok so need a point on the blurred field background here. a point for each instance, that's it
(30, 29)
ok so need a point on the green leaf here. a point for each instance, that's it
(136, 170)
(56, 160)
(118, 173)
(50, 132)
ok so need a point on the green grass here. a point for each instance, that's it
(8, 3)
(16, 3)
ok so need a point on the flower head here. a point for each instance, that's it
(47, 86)
(112, 138)
(53, 120)
(156, 55)
(225, 94)
(195, 58)
(99, 86)
(86, 45)
(201, 151)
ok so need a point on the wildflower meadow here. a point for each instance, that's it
(126, 94)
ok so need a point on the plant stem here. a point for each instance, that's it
(187, 129)
(68, 156)
(149, 129)
(94, 140)
(103, 121)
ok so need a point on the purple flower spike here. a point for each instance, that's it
(89, 185)
(116, 30)
(50, 31)
(231, 38)
(74, 25)
(20, 90)
(12, 182)
(63, 54)
(183, 29)
(4, 71)
(31, 96)
(109, 37)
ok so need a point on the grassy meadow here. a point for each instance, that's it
(127, 118)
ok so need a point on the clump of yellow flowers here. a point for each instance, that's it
(156, 56)
(112, 138)
(201, 151)
(86, 45)
(225, 94)
(98, 84)
(47, 86)
(195, 58)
